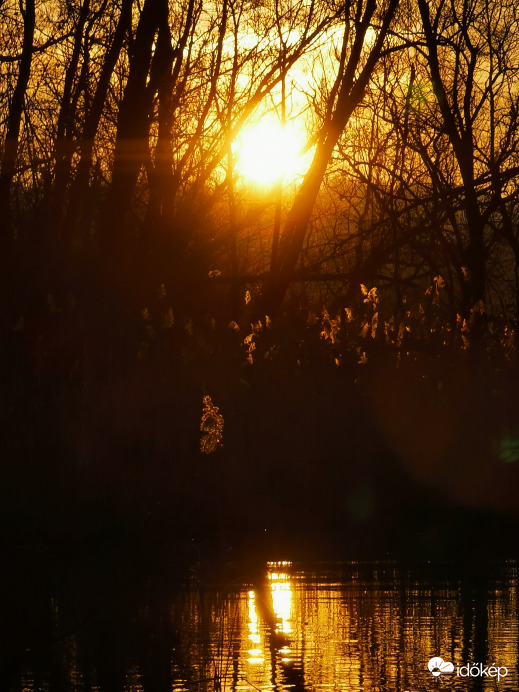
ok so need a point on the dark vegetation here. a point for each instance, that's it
(183, 357)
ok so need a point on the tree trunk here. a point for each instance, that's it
(76, 208)
(461, 139)
(64, 147)
(131, 146)
(14, 120)
(349, 96)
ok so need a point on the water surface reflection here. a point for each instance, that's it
(354, 627)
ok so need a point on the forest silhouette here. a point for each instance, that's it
(328, 358)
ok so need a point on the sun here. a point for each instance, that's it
(268, 152)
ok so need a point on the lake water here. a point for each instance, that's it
(348, 626)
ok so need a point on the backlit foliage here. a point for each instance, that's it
(211, 427)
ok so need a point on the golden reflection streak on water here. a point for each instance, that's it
(255, 653)
(330, 633)
(282, 600)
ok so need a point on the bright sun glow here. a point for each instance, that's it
(267, 152)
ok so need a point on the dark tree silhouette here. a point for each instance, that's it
(14, 120)
(346, 95)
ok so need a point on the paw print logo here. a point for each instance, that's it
(437, 666)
